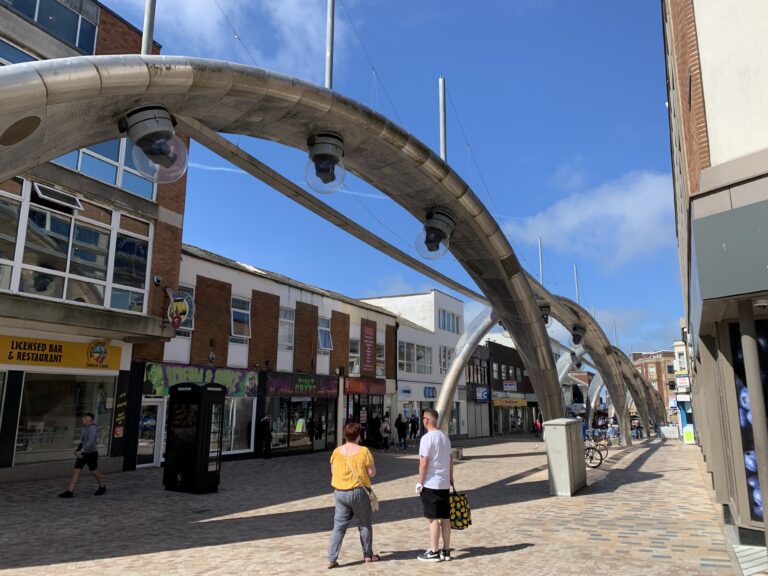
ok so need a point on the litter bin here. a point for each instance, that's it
(193, 445)
(565, 456)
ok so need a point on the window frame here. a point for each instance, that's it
(284, 323)
(235, 338)
(353, 362)
(76, 217)
(321, 349)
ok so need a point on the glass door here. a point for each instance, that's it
(151, 432)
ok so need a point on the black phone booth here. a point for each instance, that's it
(195, 430)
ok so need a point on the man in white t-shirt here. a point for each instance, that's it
(435, 479)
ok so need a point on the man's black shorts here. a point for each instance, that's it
(91, 460)
(436, 503)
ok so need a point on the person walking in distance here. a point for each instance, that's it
(352, 468)
(539, 426)
(265, 436)
(413, 426)
(435, 480)
(87, 455)
(385, 430)
(401, 426)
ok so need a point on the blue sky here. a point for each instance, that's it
(563, 106)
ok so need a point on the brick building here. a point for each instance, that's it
(658, 368)
(515, 405)
(88, 247)
(719, 151)
(309, 358)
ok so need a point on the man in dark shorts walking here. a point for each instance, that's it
(87, 455)
(435, 480)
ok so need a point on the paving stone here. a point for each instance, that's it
(649, 508)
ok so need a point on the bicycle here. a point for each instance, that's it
(593, 456)
(601, 446)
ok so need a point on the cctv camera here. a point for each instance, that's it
(325, 171)
(546, 309)
(577, 333)
(158, 152)
(438, 228)
(157, 280)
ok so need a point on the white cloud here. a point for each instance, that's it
(287, 36)
(212, 168)
(613, 224)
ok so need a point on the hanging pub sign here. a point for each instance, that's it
(181, 308)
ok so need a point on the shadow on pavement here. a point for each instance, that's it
(157, 520)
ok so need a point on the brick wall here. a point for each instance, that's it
(212, 321)
(265, 322)
(340, 337)
(685, 51)
(116, 36)
(390, 347)
(305, 338)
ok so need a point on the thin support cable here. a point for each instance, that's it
(236, 34)
(370, 63)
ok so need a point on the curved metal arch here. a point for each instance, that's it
(597, 346)
(77, 102)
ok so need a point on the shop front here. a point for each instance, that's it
(46, 387)
(364, 404)
(302, 409)
(511, 413)
(239, 407)
(478, 411)
(415, 397)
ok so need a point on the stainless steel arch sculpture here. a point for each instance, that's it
(597, 346)
(51, 107)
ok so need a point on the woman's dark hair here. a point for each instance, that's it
(352, 431)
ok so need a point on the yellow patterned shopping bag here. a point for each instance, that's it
(461, 515)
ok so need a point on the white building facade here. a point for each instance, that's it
(430, 326)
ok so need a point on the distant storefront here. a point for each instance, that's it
(47, 385)
(303, 410)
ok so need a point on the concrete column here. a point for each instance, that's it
(756, 397)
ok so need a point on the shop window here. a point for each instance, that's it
(238, 424)
(504, 372)
(354, 356)
(285, 331)
(324, 340)
(52, 408)
(278, 408)
(241, 321)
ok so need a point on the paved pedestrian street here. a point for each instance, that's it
(649, 510)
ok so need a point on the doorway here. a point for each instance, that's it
(151, 433)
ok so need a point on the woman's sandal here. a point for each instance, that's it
(374, 558)
(332, 565)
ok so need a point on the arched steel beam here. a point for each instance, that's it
(597, 346)
(51, 107)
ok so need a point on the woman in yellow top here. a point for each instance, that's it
(351, 471)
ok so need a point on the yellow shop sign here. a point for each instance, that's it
(58, 353)
(510, 402)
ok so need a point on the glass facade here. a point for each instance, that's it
(52, 408)
(76, 28)
(68, 251)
